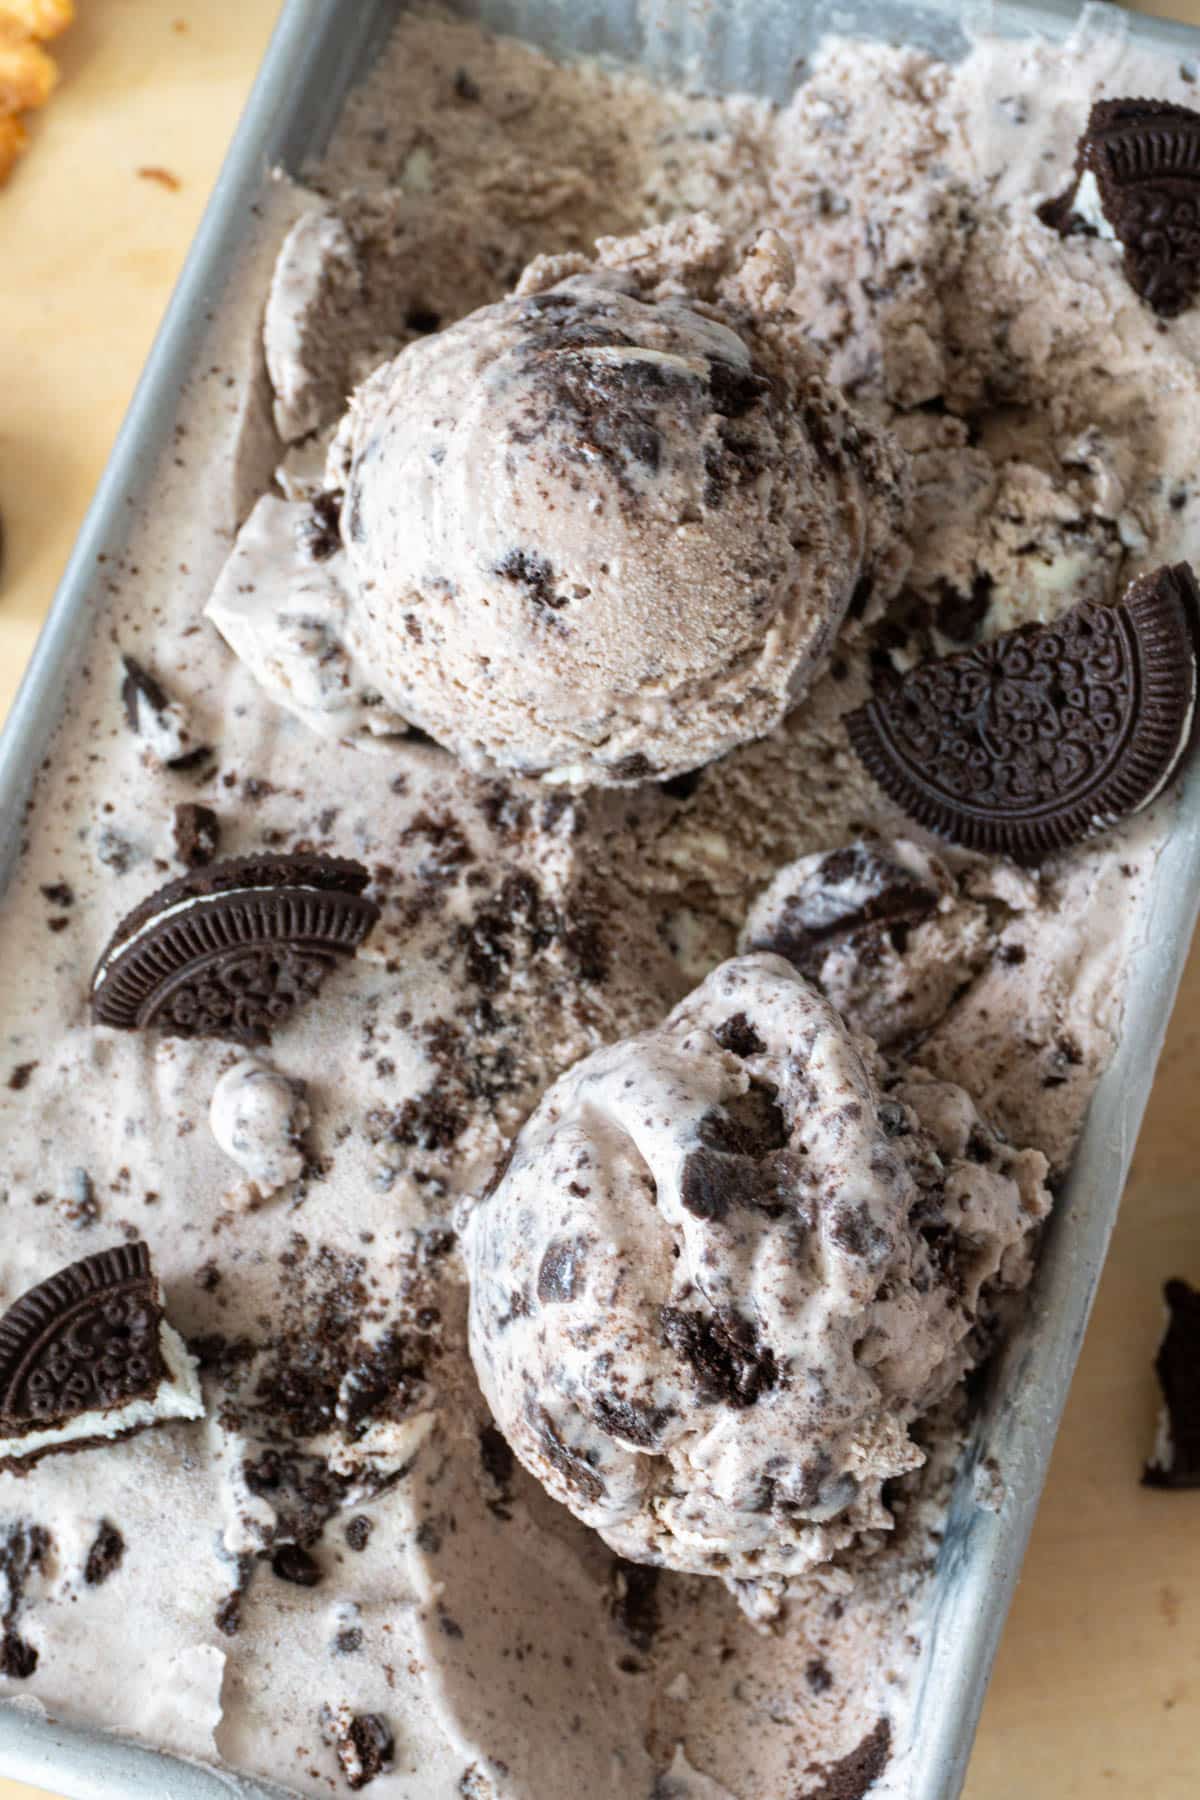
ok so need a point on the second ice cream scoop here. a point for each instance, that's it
(603, 532)
(725, 1271)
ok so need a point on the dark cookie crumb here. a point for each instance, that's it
(363, 1743)
(854, 1775)
(104, 1557)
(197, 834)
(818, 1676)
(358, 1531)
(228, 1616)
(318, 534)
(24, 1548)
(723, 1352)
(291, 1562)
(18, 1659)
(20, 1076)
(738, 1036)
(633, 1602)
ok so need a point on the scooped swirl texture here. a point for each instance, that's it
(724, 1272)
(604, 532)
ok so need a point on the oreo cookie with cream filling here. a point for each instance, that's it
(232, 949)
(1137, 180)
(1049, 733)
(87, 1356)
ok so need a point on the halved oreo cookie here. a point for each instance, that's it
(1048, 733)
(1144, 158)
(230, 950)
(87, 1356)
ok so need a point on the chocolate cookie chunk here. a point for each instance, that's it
(363, 1743)
(1048, 733)
(85, 1339)
(1176, 1459)
(197, 834)
(1144, 158)
(230, 950)
(87, 1356)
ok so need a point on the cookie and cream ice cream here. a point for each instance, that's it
(601, 531)
(364, 1587)
(727, 1265)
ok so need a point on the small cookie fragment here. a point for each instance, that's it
(293, 1563)
(161, 723)
(1176, 1459)
(1137, 180)
(87, 1356)
(231, 950)
(1047, 734)
(363, 1743)
(105, 1555)
(197, 834)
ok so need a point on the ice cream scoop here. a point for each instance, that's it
(597, 533)
(728, 1265)
(602, 531)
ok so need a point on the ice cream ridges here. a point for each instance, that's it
(627, 1026)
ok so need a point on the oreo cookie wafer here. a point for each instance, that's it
(1137, 180)
(232, 949)
(87, 1356)
(1046, 734)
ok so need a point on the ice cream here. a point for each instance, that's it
(881, 930)
(724, 1271)
(342, 1571)
(604, 530)
(259, 1118)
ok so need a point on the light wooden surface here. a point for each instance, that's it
(1097, 1690)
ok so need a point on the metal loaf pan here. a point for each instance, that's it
(320, 49)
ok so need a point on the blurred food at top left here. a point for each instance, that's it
(28, 73)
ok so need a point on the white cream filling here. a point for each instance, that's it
(163, 730)
(177, 1396)
(170, 912)
(1088, 206)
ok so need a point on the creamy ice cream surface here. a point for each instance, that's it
(825, 396)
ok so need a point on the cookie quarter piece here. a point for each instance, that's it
(87, 1356)
(1137, 180)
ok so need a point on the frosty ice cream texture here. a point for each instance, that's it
(607, 529)
(728, 1265)
(1050, 425)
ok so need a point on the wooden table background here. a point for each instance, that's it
(1097, 1688)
